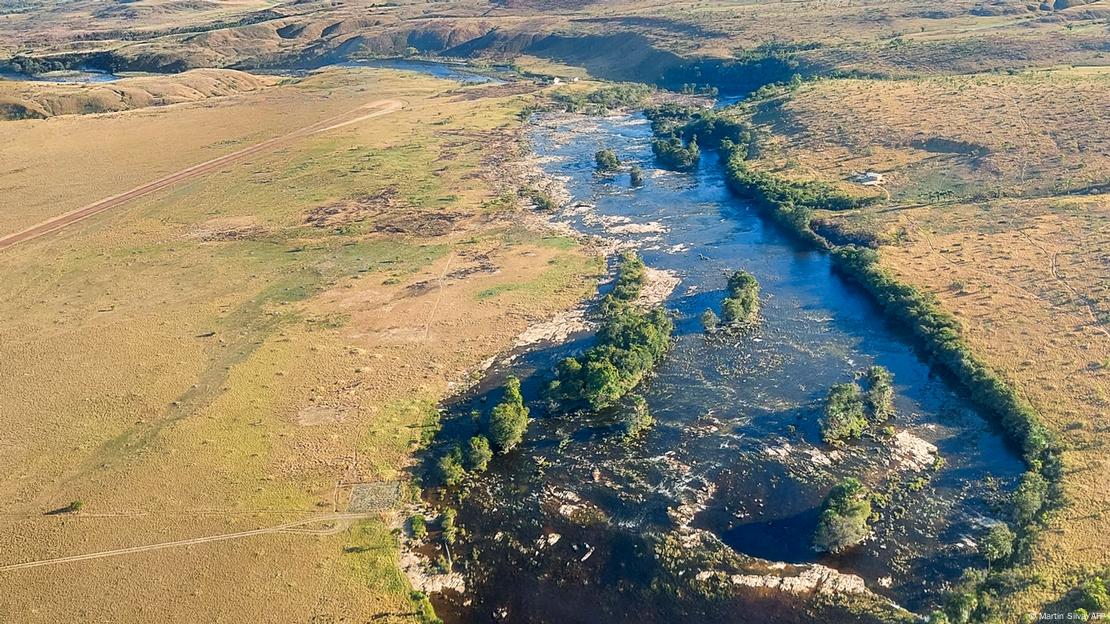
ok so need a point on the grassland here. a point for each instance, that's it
(38, 100)
(987, 120)
(995, 199)
(233, 352)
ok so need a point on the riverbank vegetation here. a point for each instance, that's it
(793, 203)
(672, 154)
(630, 342)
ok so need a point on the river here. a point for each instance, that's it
(737, 437)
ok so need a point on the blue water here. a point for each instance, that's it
(447, 71)
(79, 75)
(737, 416)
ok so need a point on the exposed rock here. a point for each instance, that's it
(911, 452)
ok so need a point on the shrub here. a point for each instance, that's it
(640, 418)
(880, 393)
(451, 467)
(844, 517)
(424, 609)
(998, 544)
(844, 414)
(1029, 497)
(509, 418)
(709, 320)
(447, 524)
(419, 526)
(635, 176)
(607, 161)
(672, 154)
(742, 303)
(478, 453)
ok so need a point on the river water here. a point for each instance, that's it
(90, 76)
(737, 432)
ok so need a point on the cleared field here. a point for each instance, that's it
(995, 200)
(231, 353)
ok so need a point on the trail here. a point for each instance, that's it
(288, 527)
(53, 224)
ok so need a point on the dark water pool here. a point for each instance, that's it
(736, 429)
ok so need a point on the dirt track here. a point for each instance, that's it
(289, 527)
(383, 107)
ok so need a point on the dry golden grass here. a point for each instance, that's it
(889, 37)
(27, 100)
(209, 359)
(1029, 134)
(1028, 280)
(996, 201)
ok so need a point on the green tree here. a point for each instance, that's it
(998, 544)
(844, 517)
(419, 526)
(961, 607)
(509, 418)
(451, 467)
(709, 320)
(635, 176)
(478, 453)
(672, 154)
(607, 161)
(880, 393)
(1029, 497)
(742, 303)
(447, 523)
(640, 418)
(1093, 595)
(844, 414)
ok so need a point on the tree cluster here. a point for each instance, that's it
(629, 344)
(850, 410)
(742, 303)
(844, 517)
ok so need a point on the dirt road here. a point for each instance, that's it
(368, 111)
(289, 527)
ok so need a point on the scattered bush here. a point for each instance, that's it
(672, 154)
(478, 454)
(709, 320)
(844, 517)
(844, 414)
(629, 343)
(447, 525)
(607, 161)
(541, 200)
(419, 526)
(880, 393)
(635, 176)
(639, 419)
(424, 609)
(742, 303)
(451, 467)
(509, 418)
